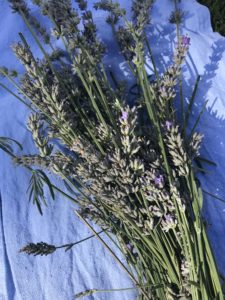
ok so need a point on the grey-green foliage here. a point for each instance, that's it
(36, 188)
(132, 164)
(6, 144)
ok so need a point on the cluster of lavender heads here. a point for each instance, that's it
(132, 162)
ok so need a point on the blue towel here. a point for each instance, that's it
(89, 265)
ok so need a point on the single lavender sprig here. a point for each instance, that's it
(38, 249)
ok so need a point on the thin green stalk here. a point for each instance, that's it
(70, 245)
(152, 58)
(154, 248)
(154, 278)
(94, 291)
(105, 104)
(95, 106)
(92, 98)
(211, 261)
(149, 244)
(139, 249)
(165, 246)
(65, 194)
(180, 76)
(212, 268)
(153, 117)
(13, 82)
(127, 61)
(198, 118)
(16, 96)
(191, 102)
(148, 97)
(101, 93)
(168, 259)
(191, 240)
(113, 254)
(198, 239)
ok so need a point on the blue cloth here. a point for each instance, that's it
(89, 265)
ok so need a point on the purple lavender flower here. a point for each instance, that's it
(168, 124)
(124, 116)
(158, 180)
(168, 222)
(168, 218)
(129, 246)
(185, 40)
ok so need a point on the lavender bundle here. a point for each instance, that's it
(132, 164)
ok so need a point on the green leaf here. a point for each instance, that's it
(6, 145)
(12, 140)
(198, 118)
(69, 188)
(47, 182)
(36, 189)
(192, 100)
(207, 161)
